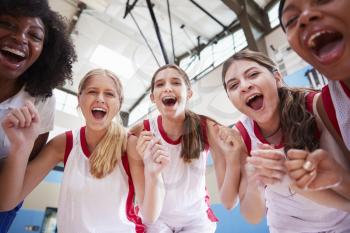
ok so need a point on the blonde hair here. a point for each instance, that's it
(109, 150)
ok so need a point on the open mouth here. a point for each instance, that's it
(255, 102)
(169, 101)
(326, 45)
(99, 113)
(12, 55)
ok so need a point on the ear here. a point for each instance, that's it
(151, 96)
(278, 77)
(189, 94)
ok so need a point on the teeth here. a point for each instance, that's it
(14, 51)
(168, 98)
(311, 42)
(99, 109)
(252, 97)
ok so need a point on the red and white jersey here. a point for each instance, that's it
(287, 211)
(186, 199)
(336, 100)
(91, 205)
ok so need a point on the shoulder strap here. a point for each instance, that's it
(69, 145)
(246, 138)
(328, 124)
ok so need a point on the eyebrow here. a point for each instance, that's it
(245, 72)
(288, 7)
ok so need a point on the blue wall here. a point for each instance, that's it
(26, 217)
(233, 222)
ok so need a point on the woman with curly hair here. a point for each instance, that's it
(36, 55)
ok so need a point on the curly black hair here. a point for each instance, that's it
(54, 65)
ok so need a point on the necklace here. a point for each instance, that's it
(273, 133)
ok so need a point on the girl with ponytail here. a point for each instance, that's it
(96, 193)
(186, 137)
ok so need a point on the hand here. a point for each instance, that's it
(155, 158)
(21, 125)
(268, 164)
(230, 141)
(142, 142)
(313, 171)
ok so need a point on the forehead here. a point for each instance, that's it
(100, 81)
(168, 73)
(239, 67)
(30, 21)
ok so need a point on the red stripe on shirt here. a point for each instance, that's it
(244, 133)
(329, 108)
(130, 209)
(69, 146)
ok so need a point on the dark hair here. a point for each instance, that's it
(54, 65)
(192, 140)
(280, 10)
(298, 125)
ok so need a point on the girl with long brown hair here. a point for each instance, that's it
(186, 137)
(277, 119)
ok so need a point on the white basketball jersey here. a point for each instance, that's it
(91, 205)
(186, 198)
(340, 95)
(287, 211)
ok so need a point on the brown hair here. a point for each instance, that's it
(298, 125)
(192, 140)
(109, 150)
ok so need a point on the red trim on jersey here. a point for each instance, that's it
(259, 135)
(345, 88)
(210, 212)
(309, 100)
(164, 135)
(69, 146)
(244, 133)
(203, 122)
(329, 108)
(130, 209)
(83, 142)
(146, 125)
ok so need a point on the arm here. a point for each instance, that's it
(21, 125)
(146, 173)
(226, 149)
(251, 195)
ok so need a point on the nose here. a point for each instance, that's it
(100, 98)
(167, 86)
(307, 16)
(20, 37)
(245, 85)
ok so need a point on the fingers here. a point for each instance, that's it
(143, 140)
(297, 154)
(272, 154)
(292, 165)
(22, 117)
(314, 159)
(305, 180)
(266, 163)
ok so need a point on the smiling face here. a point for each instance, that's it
(319, 32)
(99, 101)
(21, 43)
(170, 92)
(252, 89)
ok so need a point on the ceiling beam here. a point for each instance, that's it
(207, 13)
(251, 16)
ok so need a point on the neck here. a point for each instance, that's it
(10, 88)
(93, 137)
(347, 83)
(174, 126)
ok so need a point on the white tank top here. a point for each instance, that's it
(340, 95)
(289, 212)
(91, 205)
(186, 197)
